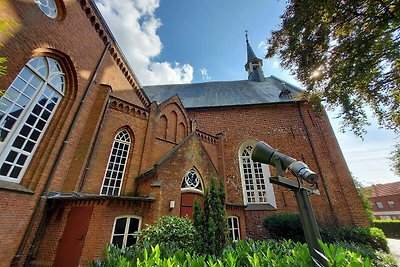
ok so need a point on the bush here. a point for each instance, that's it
(170, 232)
(390, 228)
(285, 226)
(373, 237)
(288, 226)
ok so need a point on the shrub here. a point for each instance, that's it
(288, 226)
(285, 226)
(372, 237)
(170, 232)
(390, 228)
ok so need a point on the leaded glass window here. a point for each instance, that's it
(116, 164)
(192, 180)
(233, 228)
(48, 7)
(26, 109)
(124, 231)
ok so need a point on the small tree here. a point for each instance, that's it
(210, 222)
(364, 193)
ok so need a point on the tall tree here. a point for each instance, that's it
(347, 53)
(6, 26)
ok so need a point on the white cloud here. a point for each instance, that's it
(263, 45)
(134, 25)
(276, 64)
(204, 74)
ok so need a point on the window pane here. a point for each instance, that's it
(131, 240)
(5, 169)
(120, 226)
(118, 240)
(133, 225)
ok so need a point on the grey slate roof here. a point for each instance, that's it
(226, 93)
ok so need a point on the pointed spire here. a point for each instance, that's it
(254, 64)
(250, 52)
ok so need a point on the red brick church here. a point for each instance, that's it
(88, 156)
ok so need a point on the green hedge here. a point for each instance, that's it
(288, 226)
(390, 228)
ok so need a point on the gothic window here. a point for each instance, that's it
(192, 180)
(26, 109)
(48, 7)
(255, 178)
(124, 231)
(234, 228)
(116, 164)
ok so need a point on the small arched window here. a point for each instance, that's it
(26, 109)
(124, 231)
(48, 7)
(116, 164)
(192, 180)
(257, 188)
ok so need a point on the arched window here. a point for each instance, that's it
(257, 188)
(48, 7)
(26, 109)
(192, 180)
(234, 228)
(124, 231)
(116, 164)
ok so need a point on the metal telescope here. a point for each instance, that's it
(265, 154)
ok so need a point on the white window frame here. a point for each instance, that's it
(268, 195)
(48, 7)
(126, 233)
(390, 203)
(188, 180)
(113, 161)
(43, 71)
(379, 204)
(232, 228)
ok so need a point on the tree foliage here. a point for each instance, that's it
(210, 222)
(395, 157)
(347, 53)
(6, 25)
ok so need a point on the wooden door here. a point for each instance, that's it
(71, 244)
(187, 203)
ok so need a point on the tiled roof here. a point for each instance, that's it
(389, 189)
(226, 93)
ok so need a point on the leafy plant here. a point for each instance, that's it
(284, 226)
(170, 233)
(390, 228)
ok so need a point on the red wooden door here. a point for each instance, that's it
(187, 203)
(70, 246)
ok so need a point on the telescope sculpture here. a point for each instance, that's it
(263, 153)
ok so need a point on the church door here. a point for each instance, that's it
(187, 203)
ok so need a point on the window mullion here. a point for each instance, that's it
(253, 177)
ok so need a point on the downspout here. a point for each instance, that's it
(318, 165)
(44, 193)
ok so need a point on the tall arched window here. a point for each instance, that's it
(257, 188)
(26, 109)
(48, 7)
(116, 164)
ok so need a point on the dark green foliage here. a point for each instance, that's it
(285, 226)
(347, 53)
(170, 233)
(390, 228)
(364, 193)
(247, 254)
(210, 221)
(288, 226)
(372, 237)
(395, 157)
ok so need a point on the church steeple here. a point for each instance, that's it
(253, 65)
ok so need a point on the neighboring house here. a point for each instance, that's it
(385, 200)
(88, 156)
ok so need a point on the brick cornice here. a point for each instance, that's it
(128, 108)
(105, 34)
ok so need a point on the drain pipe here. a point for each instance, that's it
(43, 197)
(318, 165)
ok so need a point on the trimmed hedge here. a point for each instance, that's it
(288, 226)
(390, 228)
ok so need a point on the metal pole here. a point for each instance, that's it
(310, 227)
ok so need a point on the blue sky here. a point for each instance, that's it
(181, 41)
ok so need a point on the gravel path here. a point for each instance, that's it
(394, 245)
